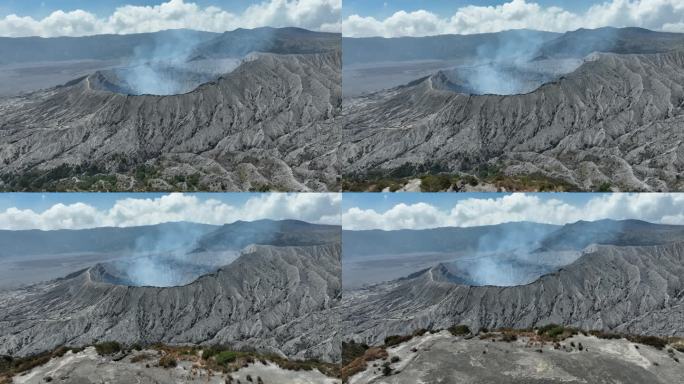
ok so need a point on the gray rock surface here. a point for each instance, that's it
(615, 120)
(274, 299)
(633, 289)
(88, 367)
(442, 358)
(269, 124)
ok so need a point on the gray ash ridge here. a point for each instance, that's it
(625, 280)
(280, 295)
(586, 116)
(267, 124)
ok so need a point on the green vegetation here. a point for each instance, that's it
(192, 182)
(556, 332)
(459, 330)
(395, 339)
(107, 348)
(225, 357)
(220, 358)
(653, 341)
(435, 178)
(65, 177)
(604, 187)
(437, 183)
(352, 350)
(260, 188)
(216, 358)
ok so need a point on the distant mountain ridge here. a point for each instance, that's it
(236, 43)
(536, 237)
(205, 237)
(540, 44)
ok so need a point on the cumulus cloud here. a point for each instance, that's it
(656, 208)
(665, 15)
(175, 14)
(312, 207)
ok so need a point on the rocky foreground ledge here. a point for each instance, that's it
(112, 363)
(554, 355)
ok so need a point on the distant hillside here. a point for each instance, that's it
(448, 239)
(97, 47)
(441, 47)
(100, 240)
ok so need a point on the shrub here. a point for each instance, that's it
(555, 331)
(395, 339)
(605, 335)
(107, 348)
(352, 350)
(435, 183)
(225, 357)
(653, 341)
(59, 352)
(168, 361)
(140, 357)
(459, 330)
(210, 352)
(386, 369)
(509, 337)
(395, 359)
(604, 187)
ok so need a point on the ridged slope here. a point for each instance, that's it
(278, 299)
(615, 119)
(637, 289)
(266, 124)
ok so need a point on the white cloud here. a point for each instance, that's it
(311, 207)
(666, 15)
(174, 14)
(652, 207)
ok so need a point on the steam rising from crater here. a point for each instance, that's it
(519, 255)
(179, 253)
(511, 65)
(169, 258)
(171, 66)
(508, 259)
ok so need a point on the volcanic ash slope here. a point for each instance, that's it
(630, 289)
(269, 124)
(616, 119)
(274, 299)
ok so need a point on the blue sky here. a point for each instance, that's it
(48, 211)
(384, 201)
(51, 18)
(102, 8)
(383, 8)
(43, 201)
(363, 18)
(430, 210)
